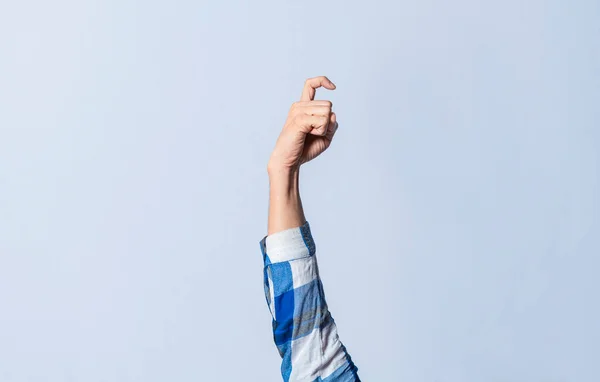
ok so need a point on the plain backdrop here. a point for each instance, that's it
(455, 214)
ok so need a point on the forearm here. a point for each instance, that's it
(285, 205)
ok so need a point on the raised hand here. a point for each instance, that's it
(308, 130)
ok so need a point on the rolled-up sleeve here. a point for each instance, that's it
(303, 328)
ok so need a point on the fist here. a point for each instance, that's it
(308, 130)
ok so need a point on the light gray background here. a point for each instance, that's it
(455, 215)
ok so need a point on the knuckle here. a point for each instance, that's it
(295, 108)
(323, 127)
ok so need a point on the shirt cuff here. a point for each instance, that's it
(290, 244)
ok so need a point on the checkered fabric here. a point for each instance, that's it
(303, 329)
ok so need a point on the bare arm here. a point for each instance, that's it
(285, 205)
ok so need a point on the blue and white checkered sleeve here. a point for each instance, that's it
(303, 328)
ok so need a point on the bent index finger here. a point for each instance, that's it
(312, 84)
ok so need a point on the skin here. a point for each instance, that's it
(306, 134)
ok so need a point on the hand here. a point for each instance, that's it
(308, 130)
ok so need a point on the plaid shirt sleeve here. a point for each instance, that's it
(303, 329)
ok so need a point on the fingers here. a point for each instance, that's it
(313, 103)
(333, 125)
(312, 84)
(311, 108)
(311, 117)
(314, 110)
(313, 124)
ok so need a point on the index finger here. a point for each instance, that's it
(312, 84)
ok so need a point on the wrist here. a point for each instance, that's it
(276, 170)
